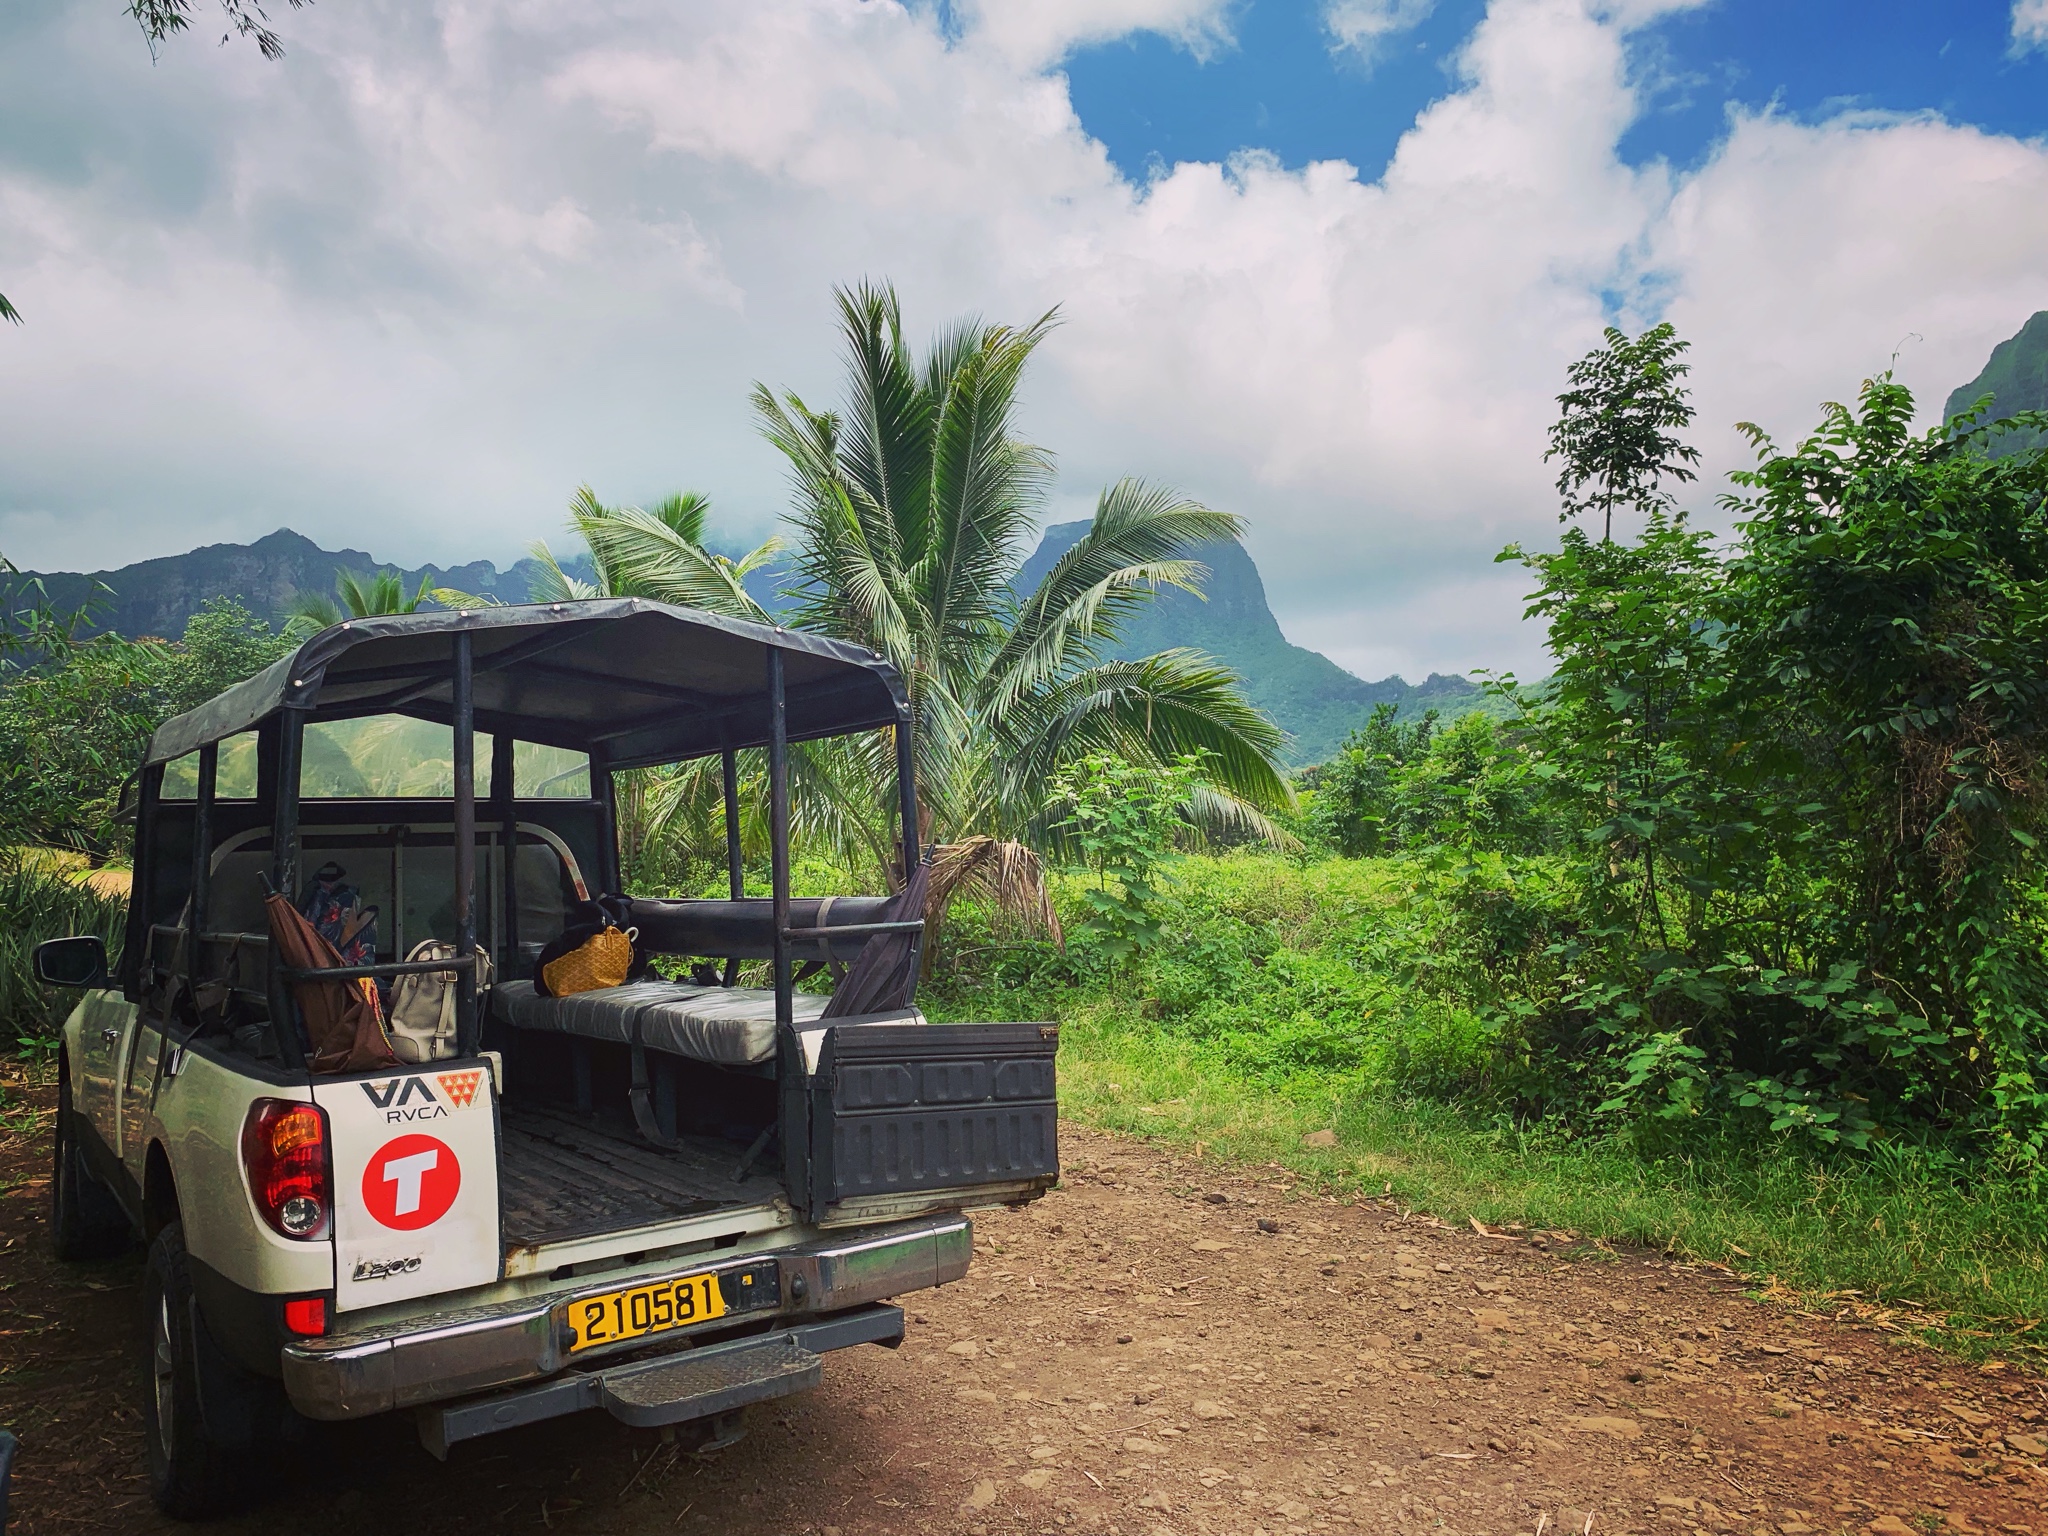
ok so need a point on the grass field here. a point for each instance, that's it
(1905, 1233)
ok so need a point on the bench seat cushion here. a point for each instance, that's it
(732, 1026)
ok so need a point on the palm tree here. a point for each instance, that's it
(310, 612)
(655, 552)
(658, 552)
(914, 506)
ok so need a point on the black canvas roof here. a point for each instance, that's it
(640, 681)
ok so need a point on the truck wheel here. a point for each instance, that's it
(201, 1413)
(86, 1221)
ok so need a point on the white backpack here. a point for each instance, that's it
(422, 1024)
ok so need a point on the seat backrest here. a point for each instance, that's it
(745, 930)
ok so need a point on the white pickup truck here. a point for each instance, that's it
(666, 1198)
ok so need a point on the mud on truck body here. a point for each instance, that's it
(666, 1199)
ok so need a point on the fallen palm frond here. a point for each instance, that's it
(1008, 875)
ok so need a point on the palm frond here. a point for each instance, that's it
(986, 485)
(310, 612)
(885, 443)
(1222, 817)
(1007, 874)
(1142, 538)
(1156, 709)
(452, 597)
(646, 557)
(685, 514)
(555, 585)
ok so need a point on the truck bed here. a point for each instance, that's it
(565, 1175)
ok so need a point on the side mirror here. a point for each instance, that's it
(73, 962)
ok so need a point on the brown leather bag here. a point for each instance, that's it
(344, 1021)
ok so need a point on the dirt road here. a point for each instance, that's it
(1161, 1347)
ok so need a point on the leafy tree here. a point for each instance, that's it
(1123, 818)
(8, 311)
(657, 552)
(1398, 787)
(1807, 774)
(75, 713)
(1614, 433)
(160, 20)
(913, 507)
(72, 728)
(1351, 796)
(223, 643)
(354, 598)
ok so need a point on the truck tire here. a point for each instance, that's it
(202, 1414)
(86, 1221)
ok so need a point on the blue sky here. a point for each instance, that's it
(408, 288)
(1279, 85)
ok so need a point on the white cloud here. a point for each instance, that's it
(408, 289)
(1035, 33)
(2029, 24)
(1363, 28)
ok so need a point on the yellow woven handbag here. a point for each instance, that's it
(602, 960)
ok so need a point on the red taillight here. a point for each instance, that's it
(308, 1316)
(284, 1149)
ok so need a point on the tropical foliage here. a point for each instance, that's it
(76, 710)
(914, 504)
(655, 552)
(354, 598)
(1804, 774)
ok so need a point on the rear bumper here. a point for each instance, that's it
(457, 1353)
(716, 1379)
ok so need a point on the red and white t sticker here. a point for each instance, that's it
(411, 1181)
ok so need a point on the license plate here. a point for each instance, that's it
(679, 1302)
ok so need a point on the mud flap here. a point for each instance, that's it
(897, 1109)
(415, 1182)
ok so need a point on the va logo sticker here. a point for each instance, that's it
(395, 1096)
(410, 1182)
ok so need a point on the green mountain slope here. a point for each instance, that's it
(2016, 378)
(156, 597)
(1305, 693)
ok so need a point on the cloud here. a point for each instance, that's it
(1363, 28)
(406, 290)
(2029, 24)
(1037, 33)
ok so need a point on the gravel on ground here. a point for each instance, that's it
(1164, 1346)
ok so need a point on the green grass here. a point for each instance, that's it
(1920, 1240)
(1895, 1231)
(36, 903)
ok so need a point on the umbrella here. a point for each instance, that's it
(344, 1022)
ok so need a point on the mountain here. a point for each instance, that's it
(1309, 696)
(156, 597)
(1304, 692)
(2017, 380)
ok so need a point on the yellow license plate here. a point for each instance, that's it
(644, 1310)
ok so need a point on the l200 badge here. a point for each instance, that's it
(382, 1269)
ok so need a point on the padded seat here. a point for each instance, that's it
(732, 1026)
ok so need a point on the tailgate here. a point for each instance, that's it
(415, 1181)
(897, 1110)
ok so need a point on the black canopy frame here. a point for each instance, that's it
(630, 682)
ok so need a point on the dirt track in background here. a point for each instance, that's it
(1160, 1346)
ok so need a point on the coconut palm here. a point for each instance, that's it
(914, 506)
(655, 552)
(658, 552)
(353, 598)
